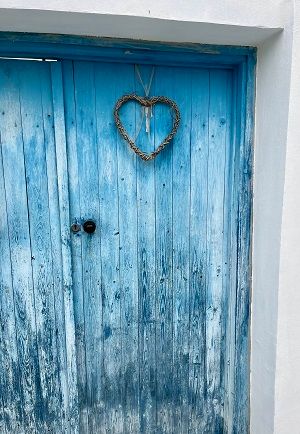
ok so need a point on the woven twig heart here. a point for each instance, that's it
(147, 102)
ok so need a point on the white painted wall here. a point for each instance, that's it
(227, 22)
(287, 379)
(275, 356)
(223, 12)
(272, 114)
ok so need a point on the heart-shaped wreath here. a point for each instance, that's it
(147, 102)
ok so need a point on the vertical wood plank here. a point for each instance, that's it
(49, 411)
(163, 256)
(229, 259)
(20, 249)
(11, 410)
(146, 276)
(230, 246)
(127, 193)
(62, 177)
(2, 423)
(110, 244)
(48, 119)
(242, 361)
(76, 240)
(229, 209)
(199, 247)
(218, 117)
(87, 155)
(180, 175)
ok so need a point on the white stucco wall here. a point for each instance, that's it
(272, 114)
(224, 12)
(287, 379)
(227, 22)
(275, 343)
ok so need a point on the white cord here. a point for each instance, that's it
(147, 111)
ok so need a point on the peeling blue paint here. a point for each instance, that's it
(126, 330)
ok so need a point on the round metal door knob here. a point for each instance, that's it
(89, 226)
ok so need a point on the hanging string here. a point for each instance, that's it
(146, 88)
(146, 111)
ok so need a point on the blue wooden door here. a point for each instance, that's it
(130, 329)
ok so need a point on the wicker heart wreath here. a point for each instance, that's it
(147, 102)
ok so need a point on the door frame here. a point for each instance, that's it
(242, 61)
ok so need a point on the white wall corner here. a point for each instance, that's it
(270, 171)
(287, 384)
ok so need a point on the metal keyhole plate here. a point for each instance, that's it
(75, 227)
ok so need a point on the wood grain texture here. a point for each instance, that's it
(121, 50)
(40, 239)
(110, 254)
(140, 327)
(230, 245)
(181, 205)
(127, 194)
(88, 197)
(163, 258)
(43, 393)
(77, 270)
(67, 283)
(198, 249)
(54, 225)
(10, 374)
(216, 224)
(27, 371)
(146, 273)
(241, 409)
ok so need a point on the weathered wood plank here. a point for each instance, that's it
(40, 238)
(181, 93)
(162, 122)
(241, 415)
(230, 249)
(11, 401)
(76, 244)
(120, 50)
(146, 270)
(229, 243)
(2, 422)
(229, 254)
(20, 249)
(110, 244)
(87, 157)
(218, 117)
(63, 194)
(54, 224)
(127, 194)
(198, 249)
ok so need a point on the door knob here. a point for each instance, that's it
(89, 226)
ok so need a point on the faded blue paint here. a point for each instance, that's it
(143, 326)
(120, 50)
